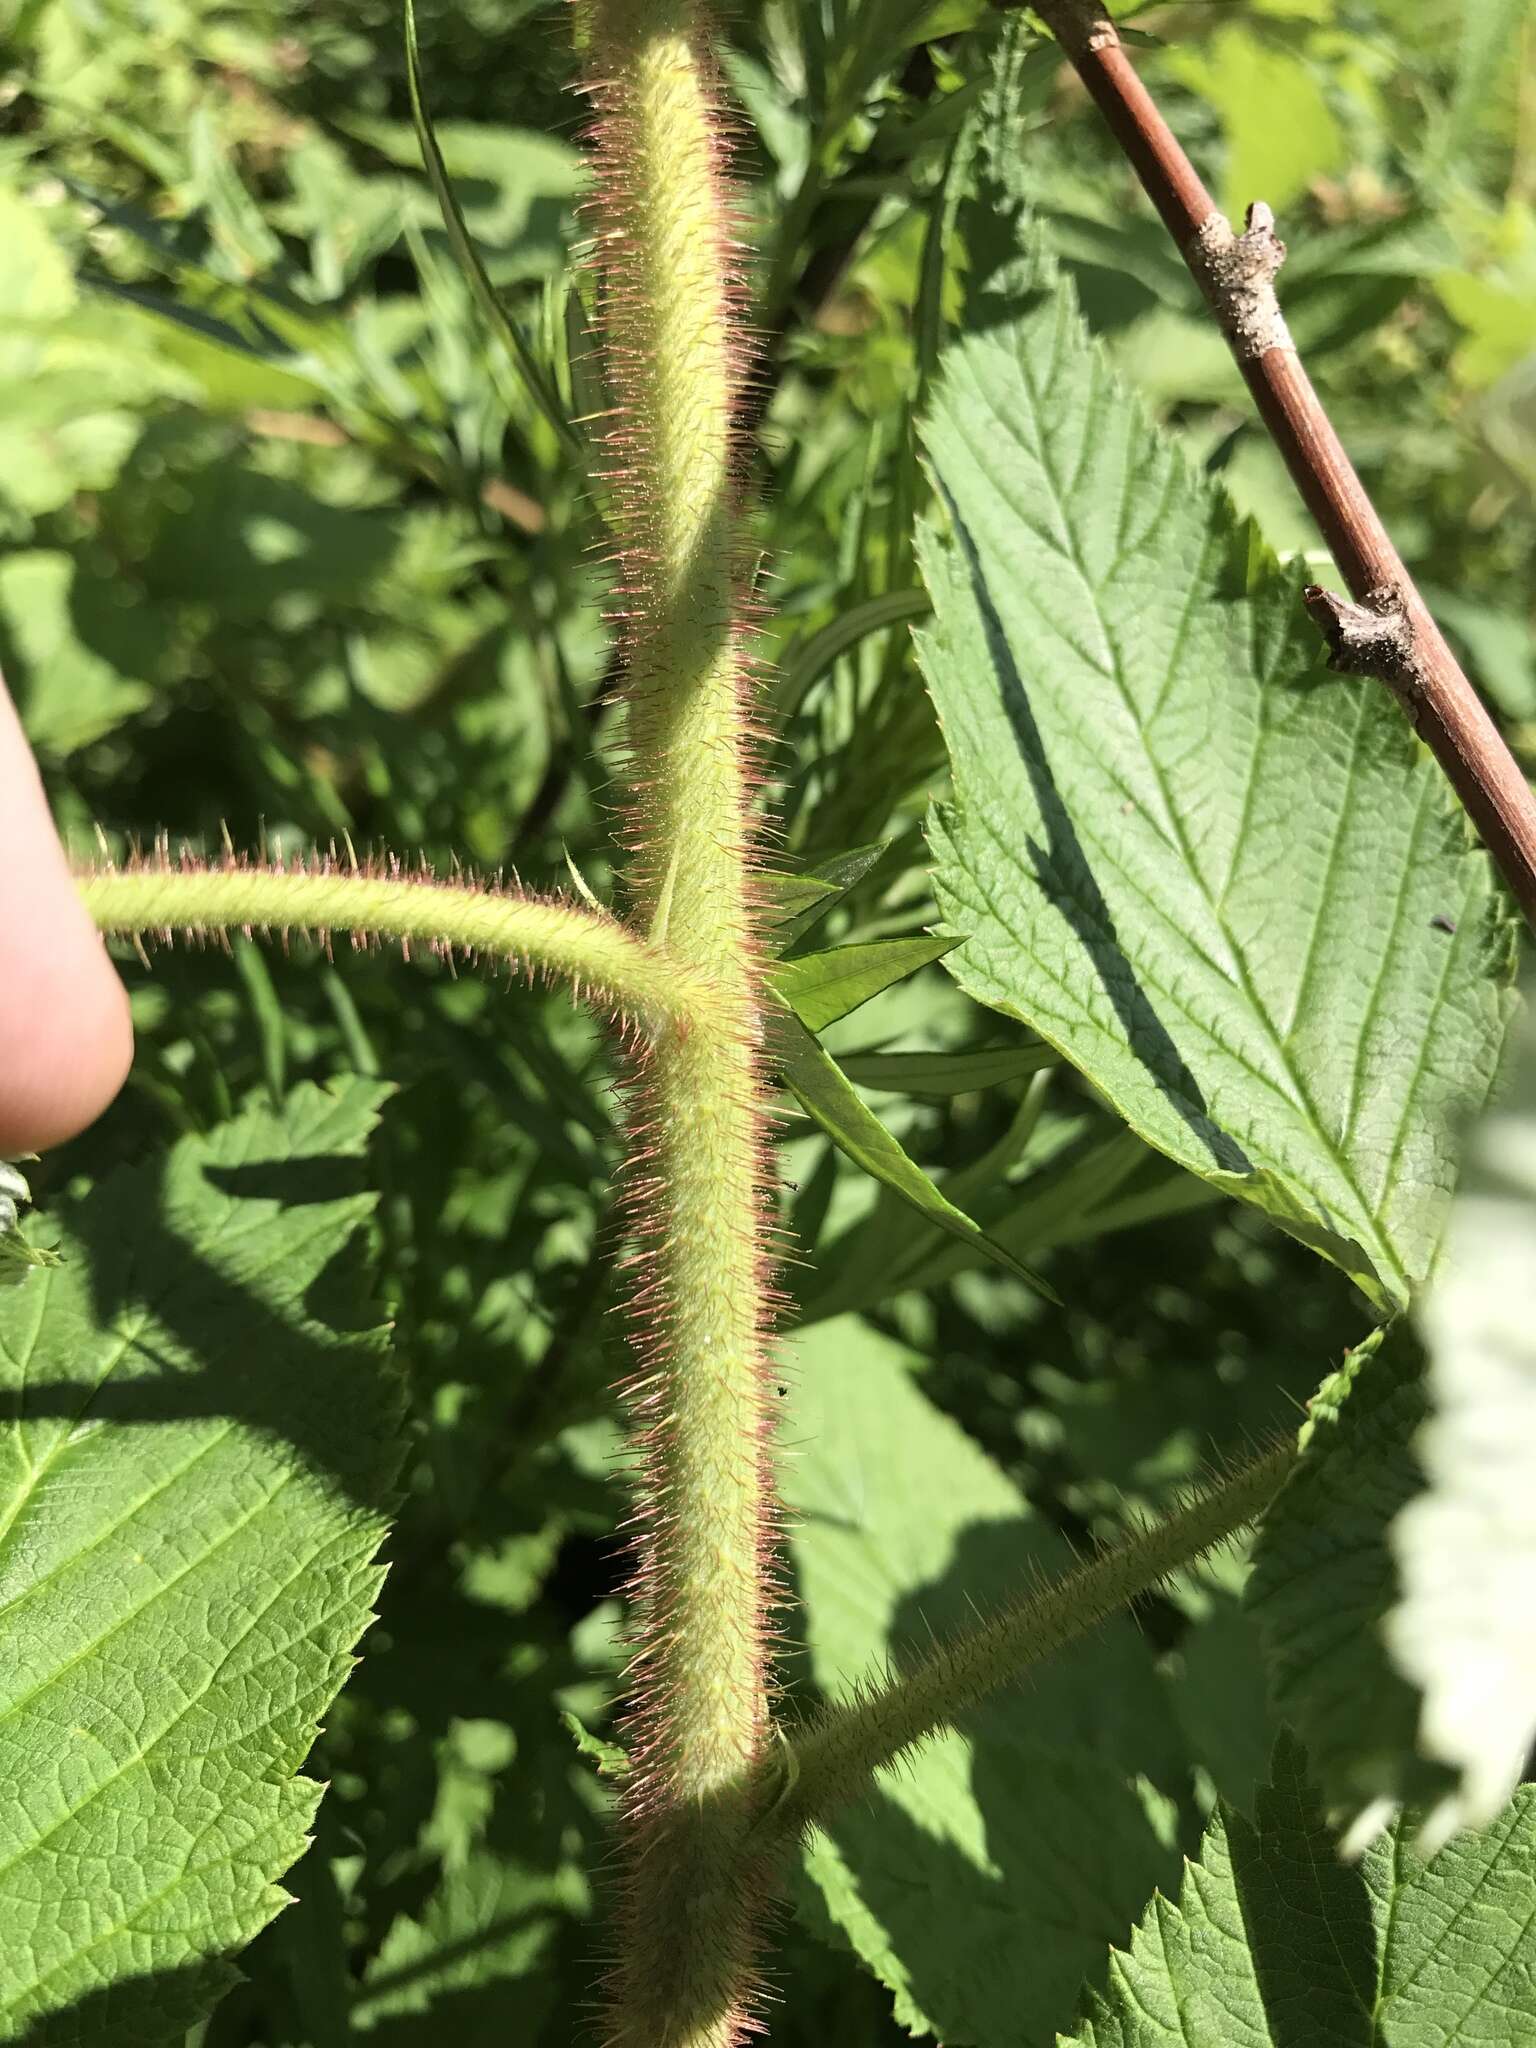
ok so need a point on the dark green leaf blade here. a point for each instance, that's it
(1466, 1546)
(822, 987)
(1324, 1581)
(986, 1877)
(190, 1504)
(1277, 1944)
(1395, 1574)
(817, 1083)
(1223, 882)
(794, 903)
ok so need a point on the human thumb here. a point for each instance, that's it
(65, 1039)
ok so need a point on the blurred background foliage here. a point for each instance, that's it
(288, 548)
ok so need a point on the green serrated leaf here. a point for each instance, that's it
(1324, 1581)
(191, 1496)
(1219, 879)
(1466, 1547)
(821, 987)
(817, 1083)
(1275, 1943)
(988, 1876)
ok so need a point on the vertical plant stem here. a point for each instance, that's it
(671, 314)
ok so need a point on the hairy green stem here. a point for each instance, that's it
(672, 324)
(833, 1760)
(597, 955)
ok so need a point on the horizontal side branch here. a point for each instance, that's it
(601, 960)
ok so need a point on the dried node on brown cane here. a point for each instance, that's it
(1237, 274)
(1373, 638)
